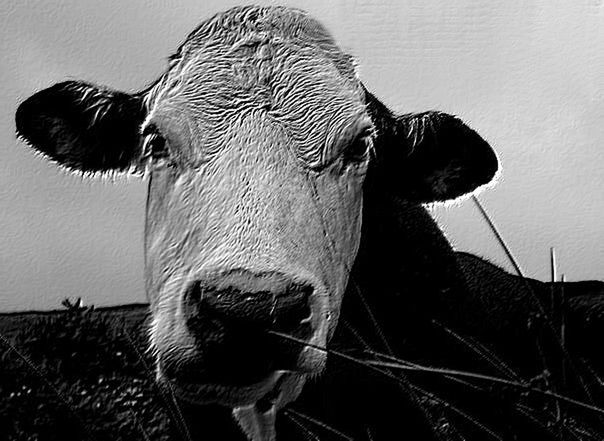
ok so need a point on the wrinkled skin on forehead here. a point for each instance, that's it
(268, 64)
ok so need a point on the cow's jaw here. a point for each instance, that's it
(257, 425)
(258, 420)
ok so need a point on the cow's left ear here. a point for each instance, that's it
(82, 126)
(429, 156)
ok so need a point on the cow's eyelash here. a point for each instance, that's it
(360, 147)
(155, 145)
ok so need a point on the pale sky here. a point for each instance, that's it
(527, 75)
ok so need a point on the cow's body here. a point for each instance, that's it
(282, 196)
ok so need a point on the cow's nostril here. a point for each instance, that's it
(292, 309)
(197, 299)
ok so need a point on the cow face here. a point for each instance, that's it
(256, 141)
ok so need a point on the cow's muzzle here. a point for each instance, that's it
(229, 316)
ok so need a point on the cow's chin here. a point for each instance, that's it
(228, 395)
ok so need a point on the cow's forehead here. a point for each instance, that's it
(262, 37)
(270, 60)
(232, 28)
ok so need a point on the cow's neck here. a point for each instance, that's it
(406, 270)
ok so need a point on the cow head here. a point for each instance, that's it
(257, 141)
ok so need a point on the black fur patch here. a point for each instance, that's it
(429, 156)
(82, 126)
(446, 157)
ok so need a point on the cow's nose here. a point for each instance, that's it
(268, 300)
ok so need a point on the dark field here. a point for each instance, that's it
(76, 374)
(83, 374)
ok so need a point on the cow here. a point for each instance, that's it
(284, 214)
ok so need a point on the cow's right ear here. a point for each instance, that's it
(429, 156)
(83, 127)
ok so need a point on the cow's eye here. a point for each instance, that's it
(359, 149)
(155, 146)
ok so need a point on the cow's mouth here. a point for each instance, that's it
(251, 387)
(264, 390)
(242, 369)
